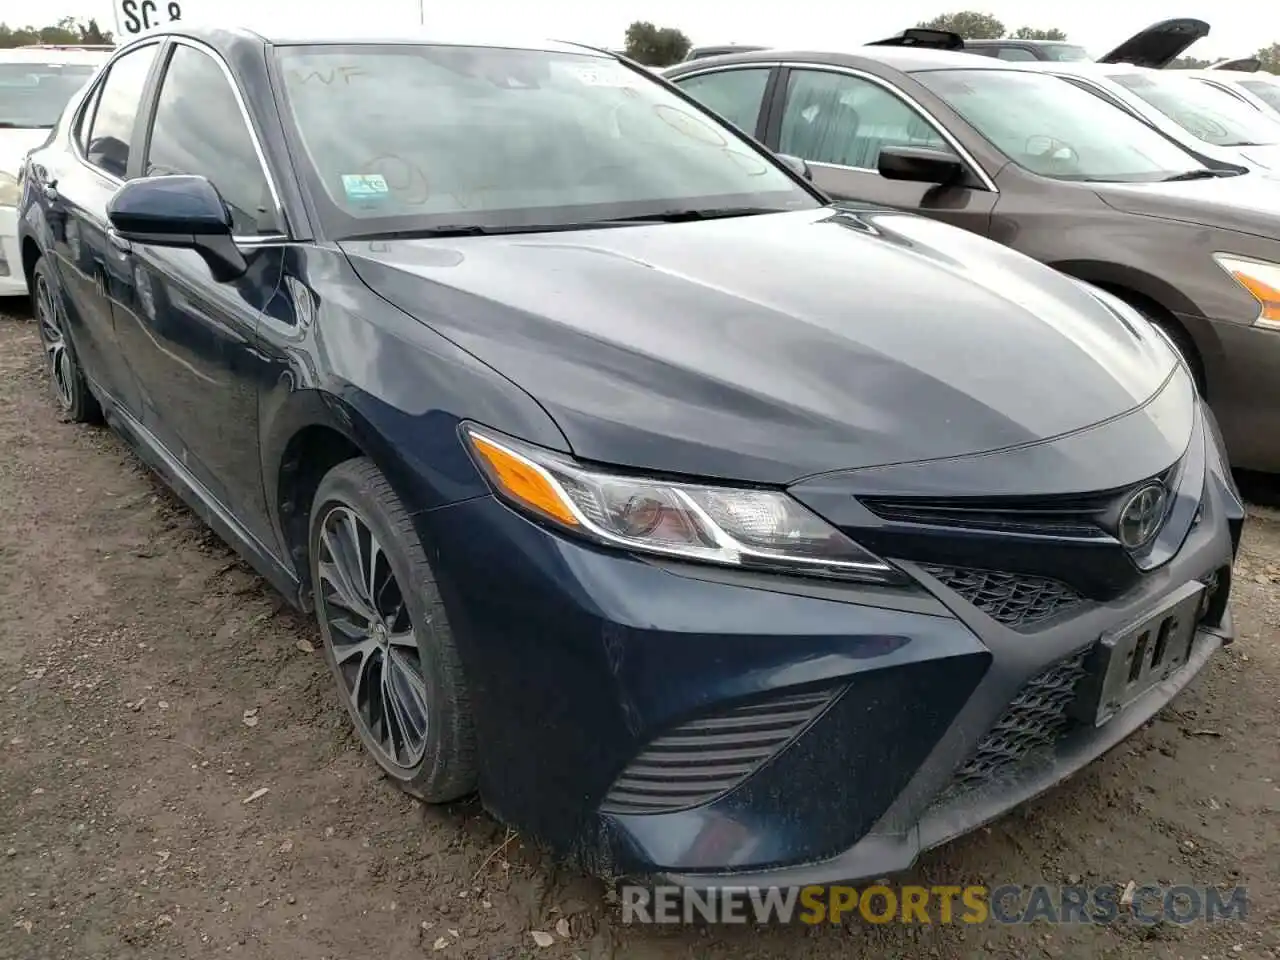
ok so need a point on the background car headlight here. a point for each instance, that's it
(736, 527)
(10, 192)
(1259, 278)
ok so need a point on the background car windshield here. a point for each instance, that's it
(1055, 129)
(1205, 112)
(34, 94)
(409, 137)
(1268, 91)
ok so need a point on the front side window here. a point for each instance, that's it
(200, 129)
(736, 95)
(1205, 112)
(1265, 90)
(420, 137)
(1066, 53)
(1015, 53)
(110, 138)
(33, 95)
(840, 119)
(1055, 129)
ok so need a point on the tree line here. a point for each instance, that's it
(67, 30)
(662, 46)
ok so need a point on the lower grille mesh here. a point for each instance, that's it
(706, 757)
(1013, 599)
(1032, 723)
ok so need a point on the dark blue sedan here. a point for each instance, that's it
(702, 527)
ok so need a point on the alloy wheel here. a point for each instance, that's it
(61, 366)
(372, 638)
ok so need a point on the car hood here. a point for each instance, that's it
(1248, 203)
(1264, 156)
(15, 145)
(773, 347)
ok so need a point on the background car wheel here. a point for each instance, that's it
(386, 635)
(70, 390)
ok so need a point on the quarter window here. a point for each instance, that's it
(200, 129)
(736, 95)
(115, 111)
(839, 119)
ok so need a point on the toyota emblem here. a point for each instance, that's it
(1141, 516)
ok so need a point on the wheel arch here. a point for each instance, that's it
(315, 430)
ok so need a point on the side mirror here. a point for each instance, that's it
(920, 164)
(797, 165)
(178, 211)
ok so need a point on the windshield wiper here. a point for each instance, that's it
(704, 213)
(1200, 175)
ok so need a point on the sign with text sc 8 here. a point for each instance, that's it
(134, 17)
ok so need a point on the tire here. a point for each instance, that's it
(391, 680)
(70, 389)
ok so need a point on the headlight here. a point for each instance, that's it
(734, 527)
(10, 192)
(1262, 280)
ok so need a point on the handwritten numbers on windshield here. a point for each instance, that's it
(137, 16)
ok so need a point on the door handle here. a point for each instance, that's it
(119, 242)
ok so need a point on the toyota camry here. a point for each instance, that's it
(702, 527)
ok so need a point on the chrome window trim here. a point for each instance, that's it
(965, 156)
(246, 240)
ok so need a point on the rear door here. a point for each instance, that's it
(92, 270)
(190, 339)
(839, 121)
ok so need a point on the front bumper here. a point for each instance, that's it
(12, 281)
(818, 729)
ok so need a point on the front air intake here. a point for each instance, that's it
(706, 757)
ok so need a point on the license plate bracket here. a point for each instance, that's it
(1128, 662)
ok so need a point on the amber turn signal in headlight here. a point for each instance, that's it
(729, 526)
(1259, 278)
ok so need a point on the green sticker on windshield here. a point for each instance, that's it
(365, 187)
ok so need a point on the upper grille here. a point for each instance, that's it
(704, 758)
(1016, 600)
(1032, 723)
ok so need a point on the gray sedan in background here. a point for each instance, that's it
(1049, 169)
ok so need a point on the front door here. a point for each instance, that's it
(190, 339)
(839, 122)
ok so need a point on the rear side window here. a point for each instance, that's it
(736, 95)
(115, 109)
(200, 129)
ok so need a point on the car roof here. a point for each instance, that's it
(53, 55)
(1005, 41)
(906, 59)
(226, 40)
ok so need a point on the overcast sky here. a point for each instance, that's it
(1098, 24)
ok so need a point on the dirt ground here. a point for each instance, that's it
(152, 688)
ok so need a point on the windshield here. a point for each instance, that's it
(1053, 128)
(34, 94)
(1205, 112)
(1268, 91)
(404, 138)
(1065, 52)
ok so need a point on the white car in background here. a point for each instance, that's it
(1258, 89)
(1214, 125)
(35, 85)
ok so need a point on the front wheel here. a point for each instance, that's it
(70, 391)
(386, 635)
